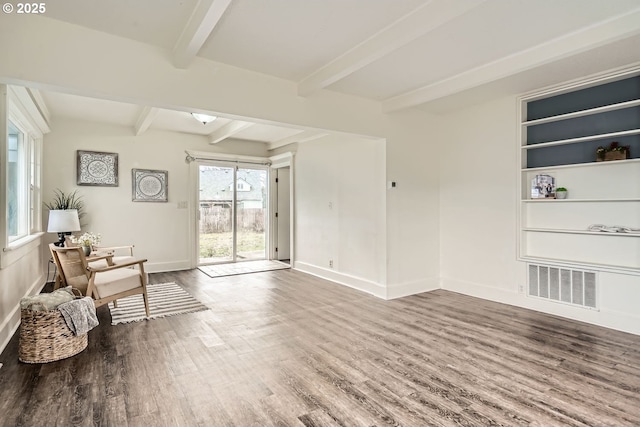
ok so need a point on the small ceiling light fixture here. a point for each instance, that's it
(203, 118)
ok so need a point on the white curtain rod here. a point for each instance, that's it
(190, 158)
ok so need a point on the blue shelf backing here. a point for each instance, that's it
(584, 152)
(611, 121)
(591, 125)
(584, 99)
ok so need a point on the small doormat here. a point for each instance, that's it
(244, 267)
(165, 299)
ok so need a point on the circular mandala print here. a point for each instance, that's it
(97, 169)
(150, 185)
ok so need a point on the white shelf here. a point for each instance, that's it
(579, 200)
(581, 165)
(582, 139)
(582, 113)
(587, 232)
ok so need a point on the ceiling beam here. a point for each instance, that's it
(304, 136)
(145, 119)
(415, 24)
(591, 37)
(228, 131)
(204, 19)
(41, 105)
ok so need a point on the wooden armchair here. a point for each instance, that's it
(103, 284)
(119, 254)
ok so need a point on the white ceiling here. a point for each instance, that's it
(428, 54)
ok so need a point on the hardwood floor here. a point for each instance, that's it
(288, 349)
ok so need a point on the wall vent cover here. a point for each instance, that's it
(567, 285)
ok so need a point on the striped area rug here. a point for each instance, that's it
(165, 299)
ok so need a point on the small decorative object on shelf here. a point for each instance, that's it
(613, 228)
(543, 187)
(561, 193)
(612, 152)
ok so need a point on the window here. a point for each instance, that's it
(22, 146)
(17, 217)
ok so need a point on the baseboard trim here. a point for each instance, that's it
(606, 318)
(411, 288)
(11, 323)
(354, 282)
(162, 267)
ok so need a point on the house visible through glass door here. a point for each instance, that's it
(232, 214)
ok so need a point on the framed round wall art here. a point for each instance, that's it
(96, 168)
(149, 185)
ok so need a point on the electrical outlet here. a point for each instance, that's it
(521, 288)
(331, 263)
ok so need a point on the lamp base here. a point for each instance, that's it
(60, 242)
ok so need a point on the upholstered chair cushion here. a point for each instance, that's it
(116, 281)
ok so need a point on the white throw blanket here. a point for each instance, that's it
(80, 315)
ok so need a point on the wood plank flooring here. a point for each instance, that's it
(284, 348)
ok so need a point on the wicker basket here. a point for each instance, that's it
(45, 337)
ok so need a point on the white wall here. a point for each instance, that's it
(340, 211)
(159, 231)
(23, 277)
(21, 271)
(478, 220)
(413, 238)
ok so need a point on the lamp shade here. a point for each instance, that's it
(63, 221)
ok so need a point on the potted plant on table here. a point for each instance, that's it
(87, 241)
(65, 212)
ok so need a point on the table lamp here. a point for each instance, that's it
(63, 222)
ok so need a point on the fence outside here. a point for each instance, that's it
(216, 219)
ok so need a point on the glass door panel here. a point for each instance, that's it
(251, 213)
(232, 217)
(216, 225)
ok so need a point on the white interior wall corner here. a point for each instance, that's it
(412, 211)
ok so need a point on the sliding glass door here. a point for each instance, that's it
(251, 213)
(232, 222)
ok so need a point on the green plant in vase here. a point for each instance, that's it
(561, 193)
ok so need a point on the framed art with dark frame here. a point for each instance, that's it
(97, 168)
(149, 185)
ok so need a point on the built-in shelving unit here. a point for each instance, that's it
(560, 132)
